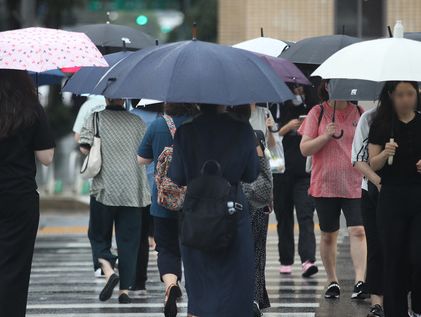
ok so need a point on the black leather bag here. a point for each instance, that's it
(210, 211)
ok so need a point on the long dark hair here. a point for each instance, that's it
(386, 117)
(18, 99)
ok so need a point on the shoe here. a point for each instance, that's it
(309, 269)
(172, 294)
(359, 291)
(108, 289)
(286, 269)
(333, 291)
(256, 310)
(124, 299)
(376, 311)
(99, 274)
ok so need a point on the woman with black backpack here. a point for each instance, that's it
(213, 153)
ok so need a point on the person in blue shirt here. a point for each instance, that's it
(158, 137)
(148, 111)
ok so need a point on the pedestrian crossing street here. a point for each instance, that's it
(63, 285)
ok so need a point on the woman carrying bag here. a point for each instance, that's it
(121, 189)
(335, 185)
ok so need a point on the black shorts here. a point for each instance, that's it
(329, 212)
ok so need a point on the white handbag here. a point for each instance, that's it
(93, 161)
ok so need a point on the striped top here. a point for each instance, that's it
(122, 181)
(360, 143)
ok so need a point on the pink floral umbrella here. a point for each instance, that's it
(42, 49)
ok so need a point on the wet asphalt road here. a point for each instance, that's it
(63, 283)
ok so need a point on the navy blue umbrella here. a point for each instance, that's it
(86, 79)
(194, 72)
(49, 77)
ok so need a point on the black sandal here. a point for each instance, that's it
(172, 294)
(108, 289)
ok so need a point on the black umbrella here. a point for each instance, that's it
(315, 50)
(195, 72)
(354, 89)
(108, 35)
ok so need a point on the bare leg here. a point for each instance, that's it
(328, 245)
(106, 268)
(169, 279)
(358, 251)
(376, 300)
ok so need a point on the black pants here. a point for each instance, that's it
(168, 246)
(290, 191)
(399, 221)
(95, 208)
(127, 222)
(375, 263)
(143, 254)
(19, 218)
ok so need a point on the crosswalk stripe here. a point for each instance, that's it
(63, 284)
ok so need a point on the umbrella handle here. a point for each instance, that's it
(337, 137)
(390, 158)
(271, 129)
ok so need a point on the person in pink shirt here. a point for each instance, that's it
(335, 184)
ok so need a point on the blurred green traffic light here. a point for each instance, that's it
(142, 20)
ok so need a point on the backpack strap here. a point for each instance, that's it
(96, 124)
(170, 124)
(322, 111)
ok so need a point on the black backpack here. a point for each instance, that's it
(210, 211)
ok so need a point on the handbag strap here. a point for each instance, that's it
(96, 124)
(170, 124)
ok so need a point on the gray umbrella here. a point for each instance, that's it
(353, 89)
(110, 35)
(315, 50)
(195, 72)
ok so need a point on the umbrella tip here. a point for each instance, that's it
(194, 31)
(108, 17)
(261, 32)
(157, 42)
(398, 29)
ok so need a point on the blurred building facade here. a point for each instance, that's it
(293, 20)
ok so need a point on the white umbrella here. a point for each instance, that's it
(377, 60)
(263, 45)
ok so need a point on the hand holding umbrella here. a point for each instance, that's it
(390, 150)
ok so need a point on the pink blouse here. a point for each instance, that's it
(332, 173)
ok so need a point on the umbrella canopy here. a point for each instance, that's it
(376, 60)
(86, 79)
(43, 49)
(354, 89)
(195, 72)
(112, 35)
(286, 70)
(315, 50)
(263, 45)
